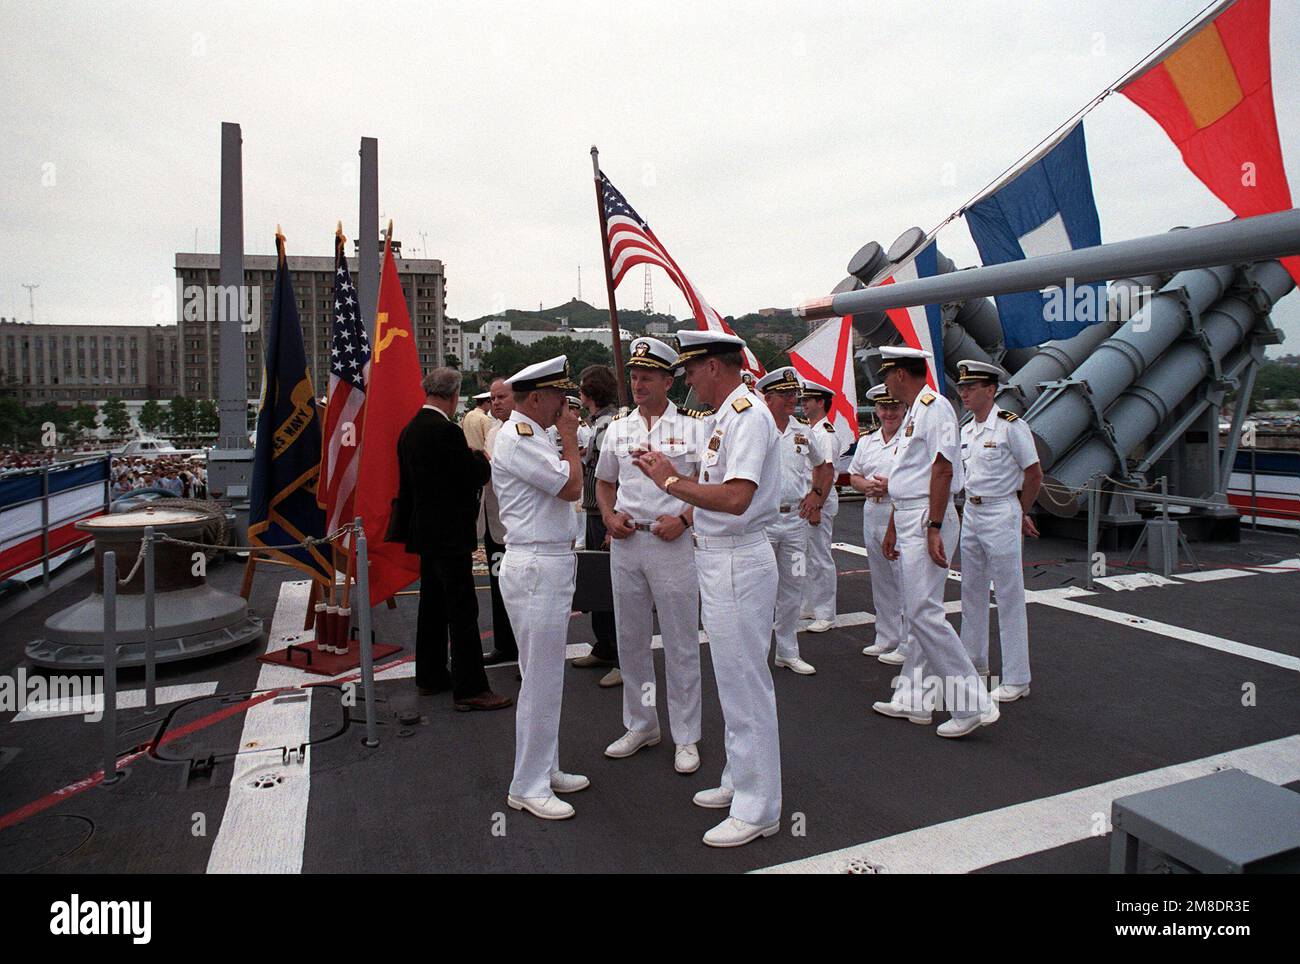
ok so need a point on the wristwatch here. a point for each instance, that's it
(669, 481)
(931, 524)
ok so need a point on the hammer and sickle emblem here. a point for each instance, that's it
(385, 338)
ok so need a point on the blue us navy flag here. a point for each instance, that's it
(1047, 208)
(286, 459)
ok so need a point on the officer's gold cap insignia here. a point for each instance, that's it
(523, 428)
(741, 404)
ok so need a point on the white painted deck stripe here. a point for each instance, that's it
(264, 830)
(1050, 598)
(1214, 575)
(126, 700)
(1134, 580)
(969, 843)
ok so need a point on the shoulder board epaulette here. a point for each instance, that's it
(741, 404)
(696, 412)
(829, 427)
(927, 398)
(523, 428)
(801, 421)
(1008, 416)
(622, 413)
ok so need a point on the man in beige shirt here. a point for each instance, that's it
(477, 421)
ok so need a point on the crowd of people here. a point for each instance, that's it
(182, 476)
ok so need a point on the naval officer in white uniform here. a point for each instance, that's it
(868, 473)
(652, 557)
(1003, 476)
(736, 498)
(805, 477)
(819, 592)
(922, 533)
(536, 487)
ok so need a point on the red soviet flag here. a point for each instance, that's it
(393, 396)
(1213, 95)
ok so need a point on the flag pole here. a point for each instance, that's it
(340, 245)
(615, 340)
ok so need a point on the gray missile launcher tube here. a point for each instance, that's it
(1140, 409)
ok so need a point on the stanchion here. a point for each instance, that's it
(110, 668)
(1094, 500)
(150, 705)
(363, 624)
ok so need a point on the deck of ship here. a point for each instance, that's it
(1133, 687)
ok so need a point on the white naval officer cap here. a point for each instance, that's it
(483, 397)
(971, 372)
(891, 355)
(816, 390)
(780, 380)
(879, 395)
(654, 354)
(552, 373)
(701, 342)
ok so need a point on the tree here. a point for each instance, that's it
(768, 355)
(207, 417)
(505, 357)
(116, 419)
(451, 361)
(152, 418)
(182, 416)
(81, 419)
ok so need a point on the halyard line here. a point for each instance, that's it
(983, 839)
(265, 830)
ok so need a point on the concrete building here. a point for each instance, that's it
(198, 278)
(71, 364)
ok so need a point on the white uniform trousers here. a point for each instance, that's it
(886, 593)
(819, 588)
(991, 550)
(789, 539)
(737, 587)
(647, 571)
(537, 586)
(937, 663)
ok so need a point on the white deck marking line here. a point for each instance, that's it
(982, 839)
(264, 829)
(1273, 568)
(1214, 575)
(126, 700)
(1048, 597)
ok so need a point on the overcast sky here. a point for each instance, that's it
(764, 142)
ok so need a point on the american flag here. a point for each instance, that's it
(631, 242)
(349, 371)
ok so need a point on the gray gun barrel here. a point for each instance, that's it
(1242, 241)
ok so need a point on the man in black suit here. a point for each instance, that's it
(436, 515)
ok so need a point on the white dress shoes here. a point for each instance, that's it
(562, 782)
(796, 665)
(875, 649)
(892, 658)
(1009, 692)
(548, 808)
(819, 626)
(719, 798)
(733, 833)
(686, 759)
(630, 742)
(902, 712)
(955, 727)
